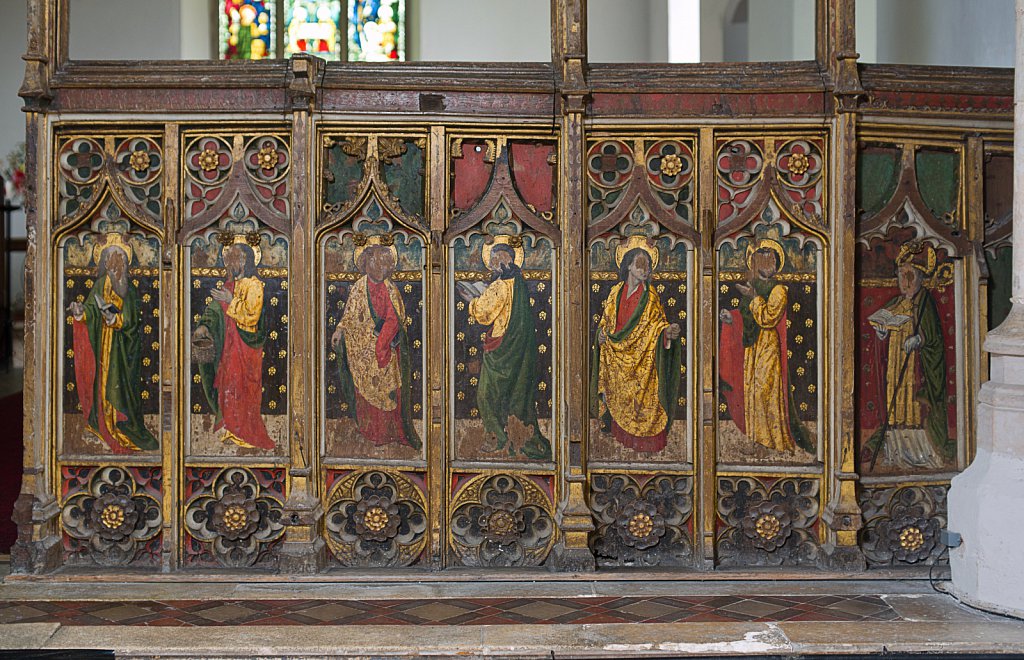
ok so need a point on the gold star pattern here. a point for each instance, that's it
(148, 329)
(416, 407)
(196, 408)
(803, 406)
(271, 370)
(197, 379)
(460, 336)
(195, 319)
(144, 395)
(724, 288)
(273, 334)
(542, 349)
(671, 302)
(155, 345)
(460, 367)
(799, 339)
(681, 401)
(811, 388)
(807, 288)
(415, 375)
(281, 389)
(407, 288)
(809, 323)
(145, 362)
(735, 302)
(460, 395)
(474, 413)
(542, 315)
(272, 405)
(796, 307)
(810, 355)
(71, 284)
(473, 381)
(70, 353)
(472, 350)
(660, 288)
(146, 297)
(284, 320)
(722, 407)
(88, 284)
(533, 302)
(681, 288)
(593, 287)
(156, 311)
(282, 354)
(542, 386)
(416, 343)
(344, 406)
(196, 284)
(273, 301)
(70, 387)
(331, 389)
(460, 305)
(70, 319)
(155, 378)
(800, 371)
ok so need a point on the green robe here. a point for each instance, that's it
(933, 372)
(508, 379)
(124, 378)
(667, 362)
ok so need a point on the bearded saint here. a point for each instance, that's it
(235, 325)
(108, 352)
(757, 389)
(508, 376)
(373, 350)
(637, 356)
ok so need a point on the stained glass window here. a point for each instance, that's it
(354, 30)
(313, 26)
(246, 30)
(376, 30)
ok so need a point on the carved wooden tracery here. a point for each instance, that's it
(567, 164)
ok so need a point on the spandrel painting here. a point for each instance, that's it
(907, 355)
(768, 344)
(638, 329)
(374, 371)
(238, 340)
(110, 304)
(502, 346)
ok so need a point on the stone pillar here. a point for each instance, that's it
(986, 501)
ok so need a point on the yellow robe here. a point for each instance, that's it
(493, 307)
(906, 411)
(764, 395)
(627, 375)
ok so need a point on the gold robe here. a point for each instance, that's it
(764, 395)
(627, 375)
(379, 386)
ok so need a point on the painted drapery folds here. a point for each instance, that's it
(909, 286)
(373, 255)
(375, 361)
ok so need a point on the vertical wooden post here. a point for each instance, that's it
(170, 317)
(437, 447)
(37, 548)
(572, 553)
(706, 456)
(303, 547)
(842, 514)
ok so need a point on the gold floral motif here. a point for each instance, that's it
(376, 519)
(501, 522)
(267, 158)
(911, 538)
(112, 516)
(799, 163)
(235, 518)
(208, 160)
(768, 526)
(139, 160)
(640, 525)
(672, 165)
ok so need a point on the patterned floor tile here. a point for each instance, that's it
(455, 611)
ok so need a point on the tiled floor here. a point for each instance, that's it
(453, 611)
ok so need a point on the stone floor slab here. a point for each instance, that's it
(26, 635)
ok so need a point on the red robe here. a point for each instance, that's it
(239, 384)
(382, 427)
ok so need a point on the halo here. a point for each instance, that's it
(638, 241)
(251, 239)
(363, 241)
(913, 248)
(112, 239)
(767, 244)
(514, 242)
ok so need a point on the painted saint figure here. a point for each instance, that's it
(373, 348)
(758, 392)
(916, 434)
(636, 358)
(228, 345)
(108, 352)
(508, 378)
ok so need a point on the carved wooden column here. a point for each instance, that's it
(986, 501)
(842, 514)
(572, 553)
(37, 549)
(303, 547)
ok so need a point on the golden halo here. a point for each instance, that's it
(637, 241)
(251, 239)
(514, 242)
(908, 251)
(362, 241)
(112, 239)
(767, 244)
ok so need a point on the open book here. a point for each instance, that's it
(884, 318)
(105, 307)
(471, 289)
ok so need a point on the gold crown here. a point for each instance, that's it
(363, 241)
(767, 244)
(913, 253)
